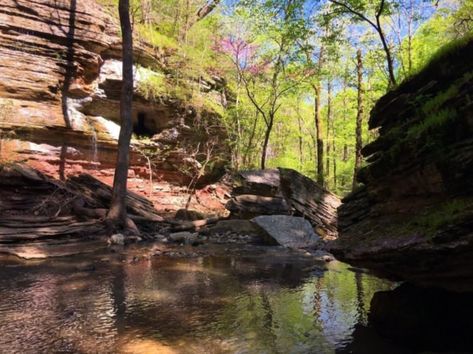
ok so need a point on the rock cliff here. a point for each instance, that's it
(60, 78)
(413, 217)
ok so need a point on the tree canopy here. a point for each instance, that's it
(303, 75)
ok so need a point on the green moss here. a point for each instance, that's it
(442, 215)
(430, 220)
(432, 121)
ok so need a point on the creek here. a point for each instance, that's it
(269, 300)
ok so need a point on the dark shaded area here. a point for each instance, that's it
(417, 320)
(140, 128)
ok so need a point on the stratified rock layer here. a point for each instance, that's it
(413, 217)
(60, 78)
(284, 191)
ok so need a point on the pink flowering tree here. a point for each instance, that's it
(266, 75)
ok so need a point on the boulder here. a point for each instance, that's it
(284, 192)
(239, 226)
(189, 215)
(288, 231)
(248, 206)
(259, 182)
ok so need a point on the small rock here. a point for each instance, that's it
(133, 238)
(117, 239)
(184, 236)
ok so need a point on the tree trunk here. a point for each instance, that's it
(269, 127)
(117, 213)
(301, 157)
(359, 118)
(318, 134)
(329, 126)
(146, 11)
(389, 58)
(247, 158)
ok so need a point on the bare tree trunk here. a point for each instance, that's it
(146, 11)
(389, 58)
(329, 126)
(249, 147)
(334, 172)
(409, 37)
(269, 127)
(318, 134)
(117, 213)
(345, 145)
(359, 118)
(301, 156)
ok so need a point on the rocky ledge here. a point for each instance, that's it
(412, 219)
(60, 78)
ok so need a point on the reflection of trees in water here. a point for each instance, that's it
(249, 306)
(360, 298)
(118, 295)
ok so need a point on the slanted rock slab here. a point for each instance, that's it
(240, 226)
(288, 231)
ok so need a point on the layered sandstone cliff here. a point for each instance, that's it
(413, 217)
(60, 78)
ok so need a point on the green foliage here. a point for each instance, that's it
(157, 39)
(151, 85)
(285, 40)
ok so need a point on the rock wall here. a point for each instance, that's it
(413, 217)
(60, 78)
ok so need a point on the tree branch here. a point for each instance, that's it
(353, 11)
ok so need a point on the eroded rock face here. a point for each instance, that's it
(59, 98)
(284, 191)
(413, 218)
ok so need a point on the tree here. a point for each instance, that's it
(356, 8)
(359, 117)
(268, 72)
(117, 213)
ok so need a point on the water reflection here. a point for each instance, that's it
(246, 304)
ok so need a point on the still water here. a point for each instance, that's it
(267, 301)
